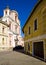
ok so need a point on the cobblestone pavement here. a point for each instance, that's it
(17, 58)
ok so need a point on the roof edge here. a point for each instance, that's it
(4, 23)
(31, 13)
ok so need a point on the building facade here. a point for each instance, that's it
(14, 30)
(35, 31)
(3, 36)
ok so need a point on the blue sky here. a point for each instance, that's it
(23, 7)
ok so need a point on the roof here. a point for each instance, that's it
(14, 11)
(32, 12)
(4, 23)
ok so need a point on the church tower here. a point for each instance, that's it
(6, 11)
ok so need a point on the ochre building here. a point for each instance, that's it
(35, 31)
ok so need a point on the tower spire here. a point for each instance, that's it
(7, 7)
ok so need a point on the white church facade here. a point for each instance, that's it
(10, 30)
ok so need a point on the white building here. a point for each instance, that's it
(14, 34)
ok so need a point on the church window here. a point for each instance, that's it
(6, 12)
(15, 18)
(15, 28)
(3, 29)
(10, 25)
(3, 41)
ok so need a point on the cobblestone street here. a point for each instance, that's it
(17, 58)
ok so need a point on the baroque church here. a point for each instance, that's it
(10, 30)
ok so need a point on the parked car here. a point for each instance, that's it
(19, 47)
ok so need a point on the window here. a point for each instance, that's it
(3, 29)
(9, 13)
(9, 25)
(35, 24)
(28, 47)
(10, 36)
(6, 20)
(15, 28)
(6, 12)
(15, 18)
(25, 33)
(10, 42)
(29, 30)
(3, 41)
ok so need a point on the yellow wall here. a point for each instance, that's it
(40, 15)
(45, 48)
(26, 47)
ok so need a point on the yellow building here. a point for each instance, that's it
(3, 35)
(35, 31)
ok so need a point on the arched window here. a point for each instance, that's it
(3, 29)
(10, 25)
(3, 41)
(15, 18)
(6, 12)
